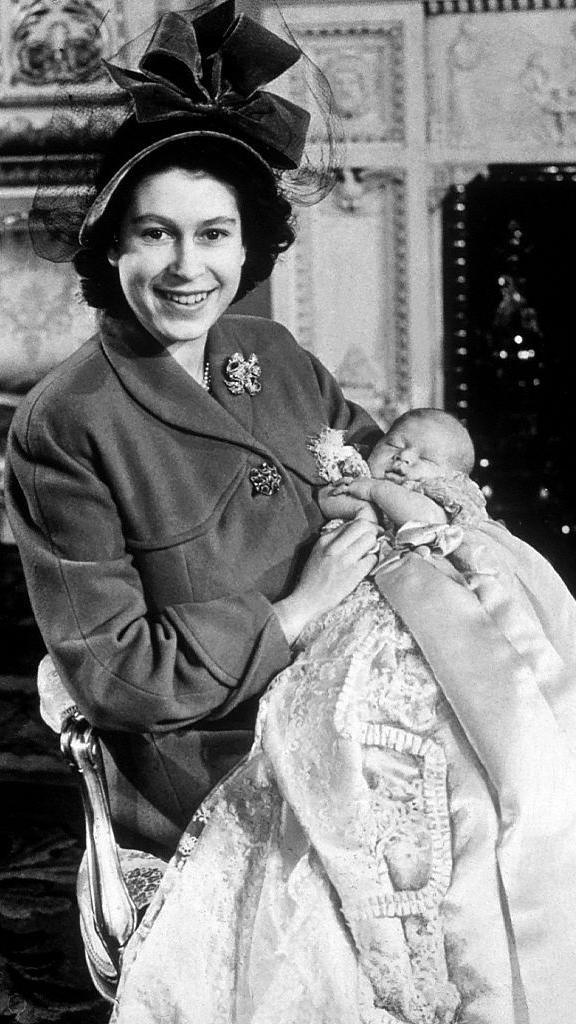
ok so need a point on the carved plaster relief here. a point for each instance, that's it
(343, 287)
(364, 66)
(41, 317)
(435, 7)
(47, 44)
(504, 84)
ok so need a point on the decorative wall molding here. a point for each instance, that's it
(302, 298)
(402, 358)
(344, 288)
(57, 44)
(325, 302)
(26, 171)
(436, 7)
(61, 136)
(355, 186)
(503, 86)
(42, 318)
(446, 176)
(363, 62)
(45, 47)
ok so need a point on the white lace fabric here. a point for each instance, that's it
(339, 874)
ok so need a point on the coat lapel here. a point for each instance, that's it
(274, 423)
(157, 381)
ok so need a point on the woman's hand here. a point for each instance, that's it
(338, 561)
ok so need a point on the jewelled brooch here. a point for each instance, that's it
(265, 479)
(243, 374)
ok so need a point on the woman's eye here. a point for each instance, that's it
(154, 234)
(214, 234)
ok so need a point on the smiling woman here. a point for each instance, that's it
(160, 485)
(245, 194)
(179, 256)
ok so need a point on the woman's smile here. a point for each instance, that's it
(180, 254)
(185, 298)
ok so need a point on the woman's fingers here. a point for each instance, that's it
(337, 563)
(357, 536)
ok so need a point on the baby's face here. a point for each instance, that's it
(413, 450)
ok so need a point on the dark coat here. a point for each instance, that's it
(152, 563)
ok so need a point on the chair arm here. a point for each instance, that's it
(115, 914)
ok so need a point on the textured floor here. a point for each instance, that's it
(43, 977)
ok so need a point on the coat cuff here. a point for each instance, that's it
(241, 643)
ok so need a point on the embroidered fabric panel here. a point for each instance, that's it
(323, 880)
(349, 729)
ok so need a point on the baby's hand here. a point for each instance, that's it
(339, 504)
(357, 487)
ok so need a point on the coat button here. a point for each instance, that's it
(265, 479)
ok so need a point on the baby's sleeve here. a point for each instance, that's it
(459, 496)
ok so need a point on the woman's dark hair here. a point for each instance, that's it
(266, 217)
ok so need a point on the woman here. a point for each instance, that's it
(159, 484)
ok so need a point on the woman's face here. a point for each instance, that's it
(180, 253)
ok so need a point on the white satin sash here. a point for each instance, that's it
(515, 698)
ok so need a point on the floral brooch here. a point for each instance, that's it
(334, 458)
(243, 374)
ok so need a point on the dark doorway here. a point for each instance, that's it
(510, 358)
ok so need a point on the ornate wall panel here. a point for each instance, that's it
(41, 317)
(50, 53)
(350, 306)
(49, 45)
(504, 86)
(364, 64)
(344, 288)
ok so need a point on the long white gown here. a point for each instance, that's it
(400, 845)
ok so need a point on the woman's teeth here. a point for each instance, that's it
(186, 300)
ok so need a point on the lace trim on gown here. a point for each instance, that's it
(323, 880)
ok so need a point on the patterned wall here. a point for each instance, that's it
(428, 96)
(345, 288)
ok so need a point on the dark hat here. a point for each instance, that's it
(200, 78)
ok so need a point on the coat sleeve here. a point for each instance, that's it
(361, 429)
(125, 668)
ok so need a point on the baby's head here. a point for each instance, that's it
(421, 444)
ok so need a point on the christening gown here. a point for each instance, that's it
(400, 845)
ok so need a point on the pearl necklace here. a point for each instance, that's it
(206, 381)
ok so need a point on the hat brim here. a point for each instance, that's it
(102, 201)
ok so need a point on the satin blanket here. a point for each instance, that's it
(400, 845)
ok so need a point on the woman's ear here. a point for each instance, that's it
(112, 254)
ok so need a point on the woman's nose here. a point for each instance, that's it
(187, 259)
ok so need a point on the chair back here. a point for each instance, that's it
(108, 875)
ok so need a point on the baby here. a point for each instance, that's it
(400, 844)
(418, 472)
